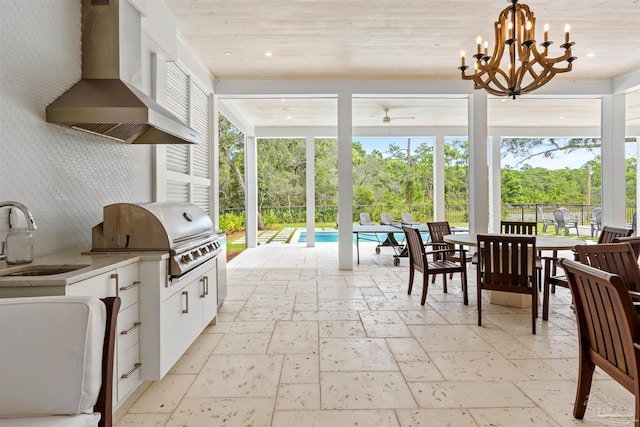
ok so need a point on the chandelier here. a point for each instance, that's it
(524, 68)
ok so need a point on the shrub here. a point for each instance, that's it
(230, 223)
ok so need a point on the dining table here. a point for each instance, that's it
(543, 243)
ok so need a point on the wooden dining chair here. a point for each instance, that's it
(419, 260)
(525, 227)
(57, 360)
(507, 264)
(553, 278)
(519, 227)
(608, 233)
(634, 241)
(437, 231)
(616, 258)
(608, 332)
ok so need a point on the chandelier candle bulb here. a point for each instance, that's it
(462, 56)
(546, 33)
(479, 42)
(486, 48)
(566, 33)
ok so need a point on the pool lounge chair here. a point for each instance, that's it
(365, 219)
(407, 220)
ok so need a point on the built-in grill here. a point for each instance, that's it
(182, 229)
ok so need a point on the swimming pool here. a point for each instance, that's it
(321, 237)
(332, 237)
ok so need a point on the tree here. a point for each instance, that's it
(529, 148)
(231, 143)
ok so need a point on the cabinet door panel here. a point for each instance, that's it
(208, 296)
(181, 320)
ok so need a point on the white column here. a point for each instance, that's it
(345, 183)
(251, 202)
(495, 183)
(215, 164)
(478, 182)
(438, 179)
(613, 166)
(311, 191)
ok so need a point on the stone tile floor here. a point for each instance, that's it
(300, 343)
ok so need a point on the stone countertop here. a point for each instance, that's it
(93, 265)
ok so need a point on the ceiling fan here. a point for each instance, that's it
(386, 119)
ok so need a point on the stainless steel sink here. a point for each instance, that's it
(42, 270)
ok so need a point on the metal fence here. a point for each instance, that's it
(456, 214)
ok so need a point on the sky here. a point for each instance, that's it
(574, 160)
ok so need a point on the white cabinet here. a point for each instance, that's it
(181, 320)
(173, 314)
(209, 295)
(122, 282)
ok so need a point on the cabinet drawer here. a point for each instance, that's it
(128, 371)
(100, 286)
(128, 285)
(128, 328)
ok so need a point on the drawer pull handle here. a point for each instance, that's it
(127, 331)
(186, 310)
(206, 285)
(132, 285)
(128, 374)
(203, 280)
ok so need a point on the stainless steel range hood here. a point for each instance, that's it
(103, 102)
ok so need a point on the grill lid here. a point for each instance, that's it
(150, 226)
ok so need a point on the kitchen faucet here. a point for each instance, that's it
(31, 224)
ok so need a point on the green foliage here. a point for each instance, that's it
(230, 222)
(394, 181)
(269, 219)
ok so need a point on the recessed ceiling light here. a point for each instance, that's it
(228, 53)
(268, 54)
(283, 100)
(561, 117)
(288, 117)
(591, 54)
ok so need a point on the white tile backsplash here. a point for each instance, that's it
(63, 176)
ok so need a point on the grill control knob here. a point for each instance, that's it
(185, 258)
(206, 250)
(196, 254)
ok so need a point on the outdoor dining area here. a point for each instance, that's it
(604, 280)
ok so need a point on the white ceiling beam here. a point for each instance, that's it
(374, 88)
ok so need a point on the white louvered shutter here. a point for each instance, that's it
(200, 122)
(187, 176)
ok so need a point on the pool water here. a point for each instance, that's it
(332, 237)
(321, 237)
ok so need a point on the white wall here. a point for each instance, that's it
(64, 176)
